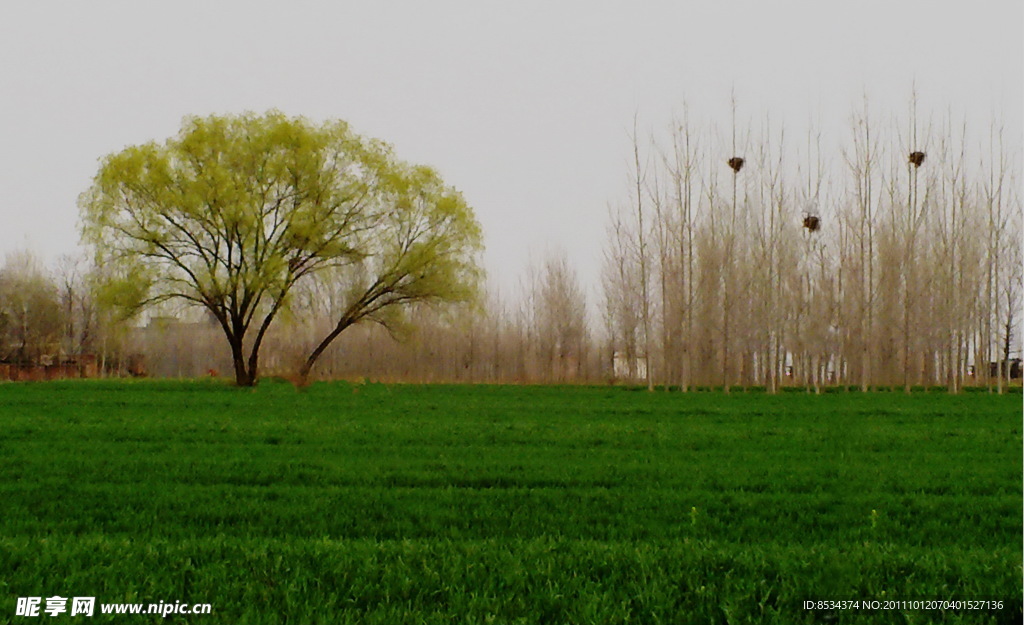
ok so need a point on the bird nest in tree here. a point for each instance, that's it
(812, 223)
(736, 163)
(916, 158)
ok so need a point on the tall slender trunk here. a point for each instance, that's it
(642, 243)
(729, 266)
(908, 275)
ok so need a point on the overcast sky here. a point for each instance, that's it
(526, 107)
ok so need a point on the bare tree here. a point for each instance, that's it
(561, 319)
(862, 161)
(78, 308)
(622, 296)
(639, 176)
(682, 168)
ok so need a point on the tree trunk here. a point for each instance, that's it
(302, 378)
(243, 376)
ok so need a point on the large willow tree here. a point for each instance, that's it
(234, 212)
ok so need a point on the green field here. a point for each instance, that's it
(475, 504)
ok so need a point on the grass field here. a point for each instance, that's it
(476, 504)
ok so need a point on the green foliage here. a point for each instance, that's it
(235, 211)
(380, 504)
(31, 318)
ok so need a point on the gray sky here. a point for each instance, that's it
(526, 107)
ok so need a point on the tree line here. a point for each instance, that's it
(750, 257)
(739, 256)
(541, 334)
(50, 316)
